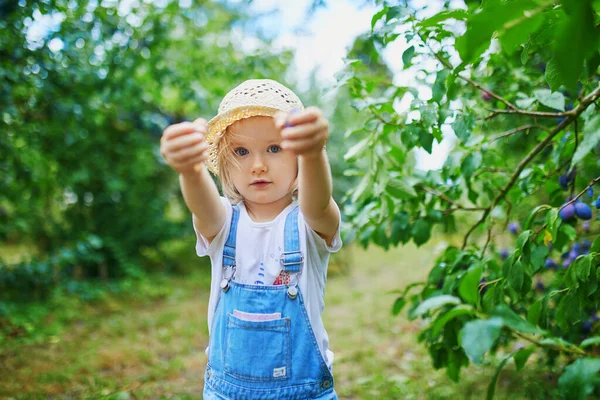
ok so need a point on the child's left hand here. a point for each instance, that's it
(307, 132)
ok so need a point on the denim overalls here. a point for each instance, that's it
(262, 345)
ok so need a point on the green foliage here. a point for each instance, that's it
(523, 113)
(82, 122)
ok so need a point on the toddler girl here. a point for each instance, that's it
(269, 239)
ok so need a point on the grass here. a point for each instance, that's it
(150, 344)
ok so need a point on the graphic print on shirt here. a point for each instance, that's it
(283, 278)
(261, 275)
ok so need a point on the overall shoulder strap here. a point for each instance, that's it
(229, 248)
(291, 258)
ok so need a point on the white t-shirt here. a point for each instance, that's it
(253, 260)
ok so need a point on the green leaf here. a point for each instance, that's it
(532, 214)
(426, 140)
(591, 137)
(576, 38)
(538, 257)
(442, 320)
(557, 342)
(378, 16)
(401, 231)
(518, 32)
(523, 355)
(534, 312)
(481, 25)
(555, 100)
(515, 276)
(421, 231)
(439, 86)
(552, 76)
(442, 16)
(402, 188)
(553, 222)
(580, 378)
(357, 148)
(361, 189)
(595, 247)
(435, 302)
(398, 305)
(514, 321)
(407, 56)
(592, 341)
(492, 385)
(463, 125)
(470, 164)
(478, 336)
(469, 285)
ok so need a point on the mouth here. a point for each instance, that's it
(260, 183)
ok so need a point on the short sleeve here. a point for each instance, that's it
(336, 243)
(202, 246)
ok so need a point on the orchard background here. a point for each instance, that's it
(490, 263)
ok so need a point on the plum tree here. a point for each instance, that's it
(547, 130)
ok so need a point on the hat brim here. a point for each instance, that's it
(217, 125)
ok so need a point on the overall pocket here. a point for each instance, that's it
(256, 350)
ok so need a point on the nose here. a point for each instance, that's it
(258, 164)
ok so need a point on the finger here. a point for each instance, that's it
(310, 114)
(299, 146)
(190, 152)
(192, 161)
(182, 142)
(182, 128)
(304, 131)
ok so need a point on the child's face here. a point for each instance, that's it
(256, 147)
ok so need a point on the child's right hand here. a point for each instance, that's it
(183, 146)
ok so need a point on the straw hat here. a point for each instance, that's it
(251, 98)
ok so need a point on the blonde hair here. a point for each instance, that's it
(226, 161)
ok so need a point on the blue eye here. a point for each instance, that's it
(241, 149)
(277, 147)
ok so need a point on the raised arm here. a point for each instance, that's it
(202, 199)
(185, 150)
(306, 137)
(314, 195)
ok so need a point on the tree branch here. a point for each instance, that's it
(583, 105)
(543, 114)
(519, 129)
(449, 200)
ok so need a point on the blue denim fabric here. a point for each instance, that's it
(265, 359)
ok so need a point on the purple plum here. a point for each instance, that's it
(539, 285)
(567, 212)
(503, 254)
(563, 182)
(583, 211)
(597, 203)
(513, 228)
(550, 263)
(573, 254)
(586, 226)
